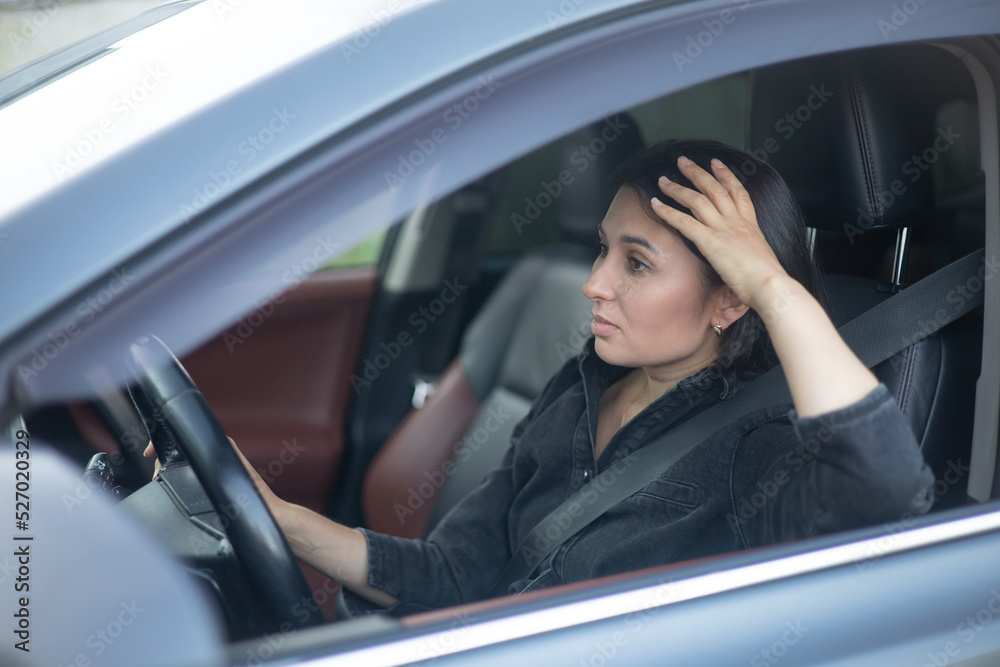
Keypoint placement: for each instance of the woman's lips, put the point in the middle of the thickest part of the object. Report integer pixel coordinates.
(601, 327)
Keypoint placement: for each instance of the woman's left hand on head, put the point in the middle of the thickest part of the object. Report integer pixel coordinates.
(723, 227)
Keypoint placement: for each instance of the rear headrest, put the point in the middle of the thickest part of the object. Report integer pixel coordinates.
(854, 134)
(591, 155)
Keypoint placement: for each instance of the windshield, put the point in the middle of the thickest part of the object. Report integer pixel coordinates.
(32, 76)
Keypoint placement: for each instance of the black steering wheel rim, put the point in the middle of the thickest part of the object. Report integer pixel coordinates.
(176, 403)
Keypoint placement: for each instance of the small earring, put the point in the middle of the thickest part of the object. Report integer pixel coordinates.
(717, 329)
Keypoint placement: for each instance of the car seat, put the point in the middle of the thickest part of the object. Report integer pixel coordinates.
(852, 134)
(535, 320)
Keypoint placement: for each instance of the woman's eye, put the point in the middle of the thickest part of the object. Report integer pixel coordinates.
(636, 264)
(602, 249)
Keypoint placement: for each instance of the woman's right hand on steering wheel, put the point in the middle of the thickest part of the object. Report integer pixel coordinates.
(273, 502)
(150, 453)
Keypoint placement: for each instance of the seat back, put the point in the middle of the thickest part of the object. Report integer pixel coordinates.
(535, 320)
(856, 136)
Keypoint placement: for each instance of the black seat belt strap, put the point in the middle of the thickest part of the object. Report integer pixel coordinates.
(876, 335)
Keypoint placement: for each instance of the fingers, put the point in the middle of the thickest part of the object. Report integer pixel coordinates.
(682, 222)
(258, 481)
(720, 194)
(233, 443)
(243, 459)
(710, 203)
(738, 193)
(150, 453)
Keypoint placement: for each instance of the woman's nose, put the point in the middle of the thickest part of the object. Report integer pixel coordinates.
(598, 285)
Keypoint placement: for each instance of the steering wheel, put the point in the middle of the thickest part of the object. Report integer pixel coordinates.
(184, 427)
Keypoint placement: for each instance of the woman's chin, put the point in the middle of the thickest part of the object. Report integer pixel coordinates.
(611, 353)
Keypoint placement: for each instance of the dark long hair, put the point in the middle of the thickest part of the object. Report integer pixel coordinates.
(745, 344)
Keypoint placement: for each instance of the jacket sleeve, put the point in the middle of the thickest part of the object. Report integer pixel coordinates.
(451, 565)
(469, 547)
(856, 466)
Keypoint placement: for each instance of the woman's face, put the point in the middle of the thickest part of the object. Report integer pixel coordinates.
(648, 285)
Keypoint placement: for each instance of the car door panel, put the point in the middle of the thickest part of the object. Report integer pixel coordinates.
(279, 380)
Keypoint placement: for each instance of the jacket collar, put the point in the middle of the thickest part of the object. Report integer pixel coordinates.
(689, 396)
(710, 383)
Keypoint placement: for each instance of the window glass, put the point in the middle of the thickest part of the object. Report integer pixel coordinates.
(713, 110)
(363, 255)
(716, 110)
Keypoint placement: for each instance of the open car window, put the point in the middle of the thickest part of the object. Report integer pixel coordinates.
(323, 304)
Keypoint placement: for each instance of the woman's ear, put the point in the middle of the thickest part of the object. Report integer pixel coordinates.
(728, 307)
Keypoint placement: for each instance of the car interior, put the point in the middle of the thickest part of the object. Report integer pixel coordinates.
(380, 390)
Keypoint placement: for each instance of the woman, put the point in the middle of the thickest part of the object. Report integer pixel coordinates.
(703, 275)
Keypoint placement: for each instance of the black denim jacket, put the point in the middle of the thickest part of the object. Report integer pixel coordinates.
(768, 477)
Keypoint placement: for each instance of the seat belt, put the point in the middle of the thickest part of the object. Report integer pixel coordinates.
(876, 335)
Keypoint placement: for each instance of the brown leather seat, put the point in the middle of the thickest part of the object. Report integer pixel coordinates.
(535, 320)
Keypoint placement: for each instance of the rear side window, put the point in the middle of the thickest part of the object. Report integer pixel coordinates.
(524, 216)
(363, 255)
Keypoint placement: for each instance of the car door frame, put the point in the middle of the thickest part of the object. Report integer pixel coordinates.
(284, 211)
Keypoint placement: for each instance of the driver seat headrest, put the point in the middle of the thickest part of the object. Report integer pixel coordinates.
(850, 133)
(589, 157)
